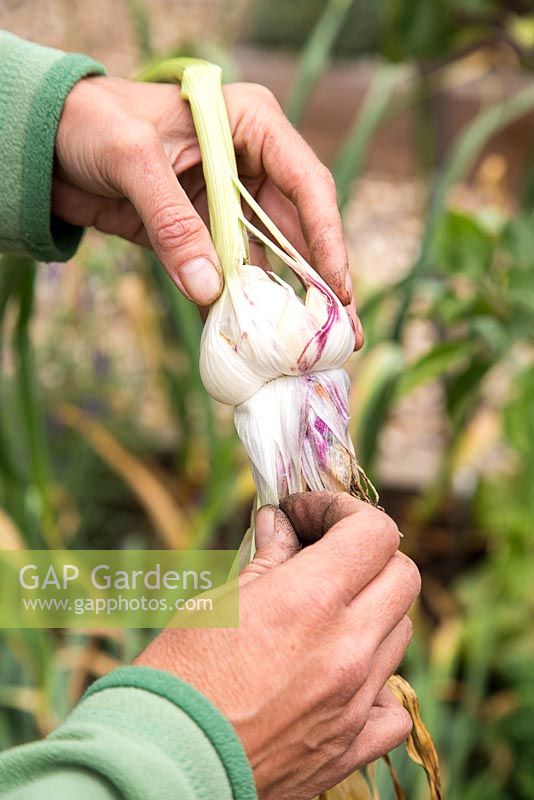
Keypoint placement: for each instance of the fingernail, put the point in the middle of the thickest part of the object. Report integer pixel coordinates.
(201, 279)
(265, 525)
(348, 284)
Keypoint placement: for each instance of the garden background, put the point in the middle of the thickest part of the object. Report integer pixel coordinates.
(425, 113)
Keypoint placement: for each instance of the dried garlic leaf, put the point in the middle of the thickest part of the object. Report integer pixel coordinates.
(420, 746)
(353, 788)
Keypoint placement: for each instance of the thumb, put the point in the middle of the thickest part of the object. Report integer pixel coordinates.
(276, 542)
(177, 234)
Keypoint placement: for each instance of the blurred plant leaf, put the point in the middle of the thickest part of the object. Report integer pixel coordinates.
(464, 151)
(489, 330)
(11, 537)
(521, 291)
(348, 164)
(462, 246)
(463, 388)
(34, 490)
(138, 11)
(522, 29)
(23, 698)
(170, 522)
(31, 406)
(376, 386)
(517, 240)
(476, 440)
(315, 56)
(418, 29)
(434, 364)
(519, 415)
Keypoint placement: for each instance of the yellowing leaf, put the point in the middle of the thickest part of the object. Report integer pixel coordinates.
(353, 788)
(170, 522)
(10, 536)
(420, 746)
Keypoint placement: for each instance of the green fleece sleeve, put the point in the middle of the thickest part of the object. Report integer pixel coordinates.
(34, 82)
(137, 734)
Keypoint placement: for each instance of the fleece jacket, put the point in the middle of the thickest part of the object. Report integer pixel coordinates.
(34, 82)
(138, 733)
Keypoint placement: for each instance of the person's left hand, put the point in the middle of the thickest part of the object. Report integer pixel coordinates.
(122, 145)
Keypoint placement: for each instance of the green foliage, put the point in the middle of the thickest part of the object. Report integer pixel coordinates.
(278, 24)
(376, 105)
(418, 29)
(140, 21)
(315, 56)
(27, 491)
(476, 292)
(400, 29)
(462, 247)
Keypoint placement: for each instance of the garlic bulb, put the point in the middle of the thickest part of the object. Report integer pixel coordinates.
(259, 329)
(273, 356)
(295, 431)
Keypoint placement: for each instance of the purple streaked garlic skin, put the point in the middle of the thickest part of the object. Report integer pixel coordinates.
(295, 430)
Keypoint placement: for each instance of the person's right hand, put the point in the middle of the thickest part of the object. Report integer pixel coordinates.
(302, 679)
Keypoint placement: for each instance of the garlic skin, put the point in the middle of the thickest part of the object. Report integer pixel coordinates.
(295, 431)
(259, 330)
(274, 357)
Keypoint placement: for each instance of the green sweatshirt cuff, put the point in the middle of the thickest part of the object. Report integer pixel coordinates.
(215, 726)
(34, 82)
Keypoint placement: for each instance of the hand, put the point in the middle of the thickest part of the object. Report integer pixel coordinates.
(121, 145)
(302, 679)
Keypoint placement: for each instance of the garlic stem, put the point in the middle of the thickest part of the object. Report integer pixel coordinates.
(282, 255)
(267, 221)
(202, 88)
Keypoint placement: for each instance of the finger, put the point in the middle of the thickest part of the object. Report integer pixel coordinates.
(357, 325)
(178, 236)
(114, 215)
(276, 542)
(258, 256)
(284, 214)
(388, 725)
(199, 199)
(359, 541)
(312, 514)
(385, 661)
(385, 600)
(297, 172)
